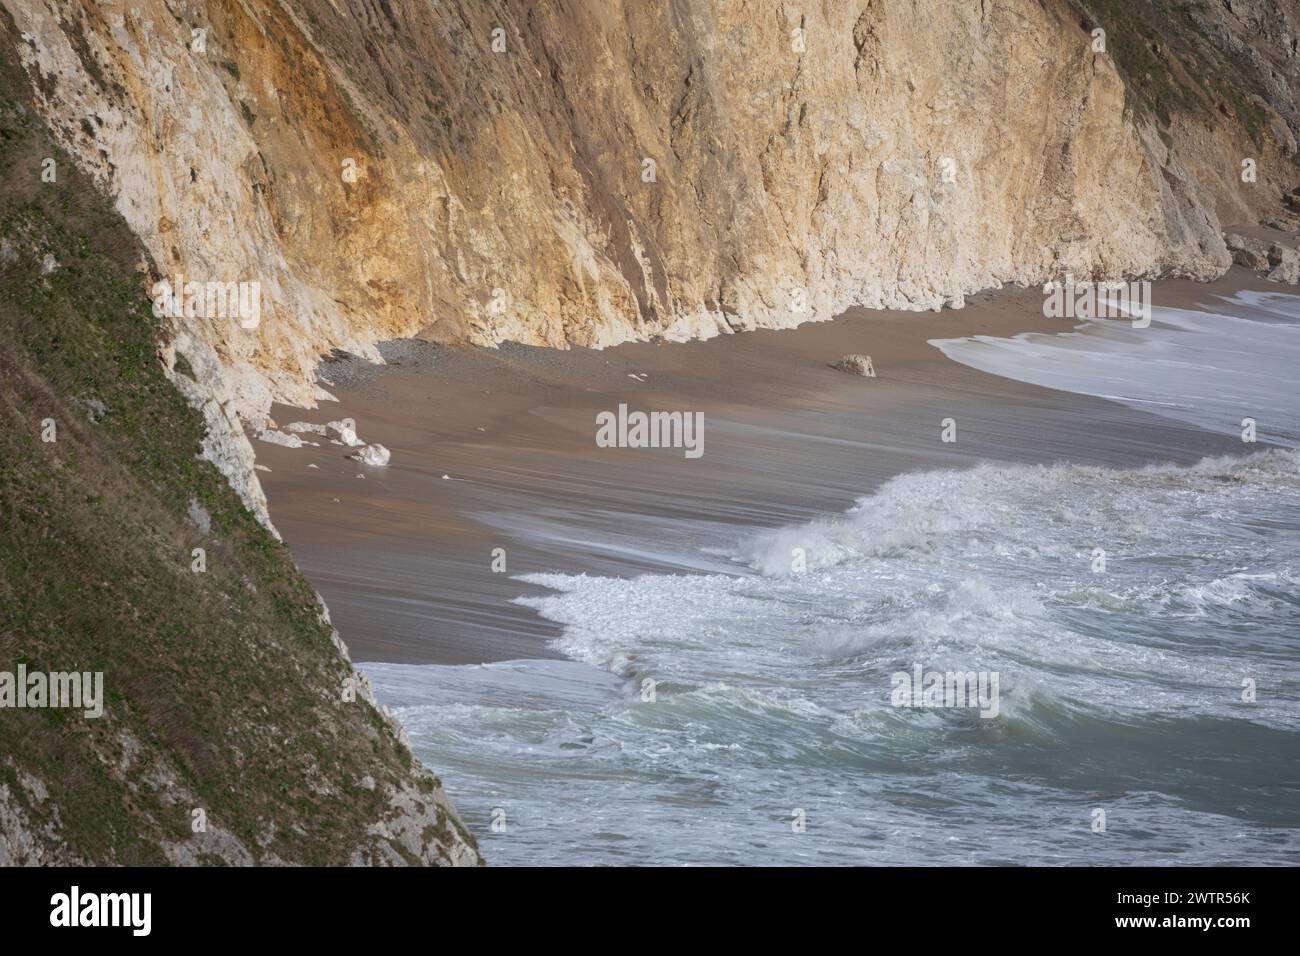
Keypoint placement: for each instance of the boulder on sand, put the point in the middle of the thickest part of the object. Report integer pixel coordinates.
(1276, 260)
(345, 432)
(1284, 262)
(280, 438)
(301, 427)
(372, 455)
(1246, 251)
(856, 365)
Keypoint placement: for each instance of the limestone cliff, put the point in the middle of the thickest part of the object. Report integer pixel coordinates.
(589, 172)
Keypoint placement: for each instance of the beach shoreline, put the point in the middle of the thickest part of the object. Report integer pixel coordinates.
(408, 559)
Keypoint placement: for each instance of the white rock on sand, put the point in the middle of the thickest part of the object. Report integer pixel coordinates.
(300, 427)
(280, 438)
(342, 432)
(372, 455)
(345, 431)
(1247, 251)
(857, 365)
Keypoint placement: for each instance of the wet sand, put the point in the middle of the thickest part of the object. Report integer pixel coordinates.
(404, 557)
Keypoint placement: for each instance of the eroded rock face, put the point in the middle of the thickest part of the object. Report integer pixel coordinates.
(1275, 260)
(588, 173)
(1284, 263)
(234, 730)
(1247, 251)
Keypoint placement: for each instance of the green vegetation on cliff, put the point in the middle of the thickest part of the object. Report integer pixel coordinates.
(223, 688)
(1172, 64)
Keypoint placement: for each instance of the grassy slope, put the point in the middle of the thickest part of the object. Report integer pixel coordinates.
(1169, 64)
(226, 683)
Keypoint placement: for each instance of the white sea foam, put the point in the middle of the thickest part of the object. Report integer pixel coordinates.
(1199, 367)
(967, 567)
(770, 691)
(1143, 624)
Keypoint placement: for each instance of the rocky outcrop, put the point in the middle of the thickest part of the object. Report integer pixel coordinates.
(1284, 263)
(274, 437)
(1247, 251)
(1273, 258)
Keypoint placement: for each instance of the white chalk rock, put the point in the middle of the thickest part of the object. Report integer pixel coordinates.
(199, 516)
(372, 455)
(280, 438)
(346, 432)
(301, 427)
(857, 365)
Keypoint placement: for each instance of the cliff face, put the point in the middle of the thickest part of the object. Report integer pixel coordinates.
(231, 727)
(482, 171)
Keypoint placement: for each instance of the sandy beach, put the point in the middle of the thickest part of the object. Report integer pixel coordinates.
(404, 556)
(649, 678)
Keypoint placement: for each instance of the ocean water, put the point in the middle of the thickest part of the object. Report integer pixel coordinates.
(1205, 368)
(1141, 624)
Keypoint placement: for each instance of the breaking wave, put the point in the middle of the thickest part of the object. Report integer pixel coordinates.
(1142, 623)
